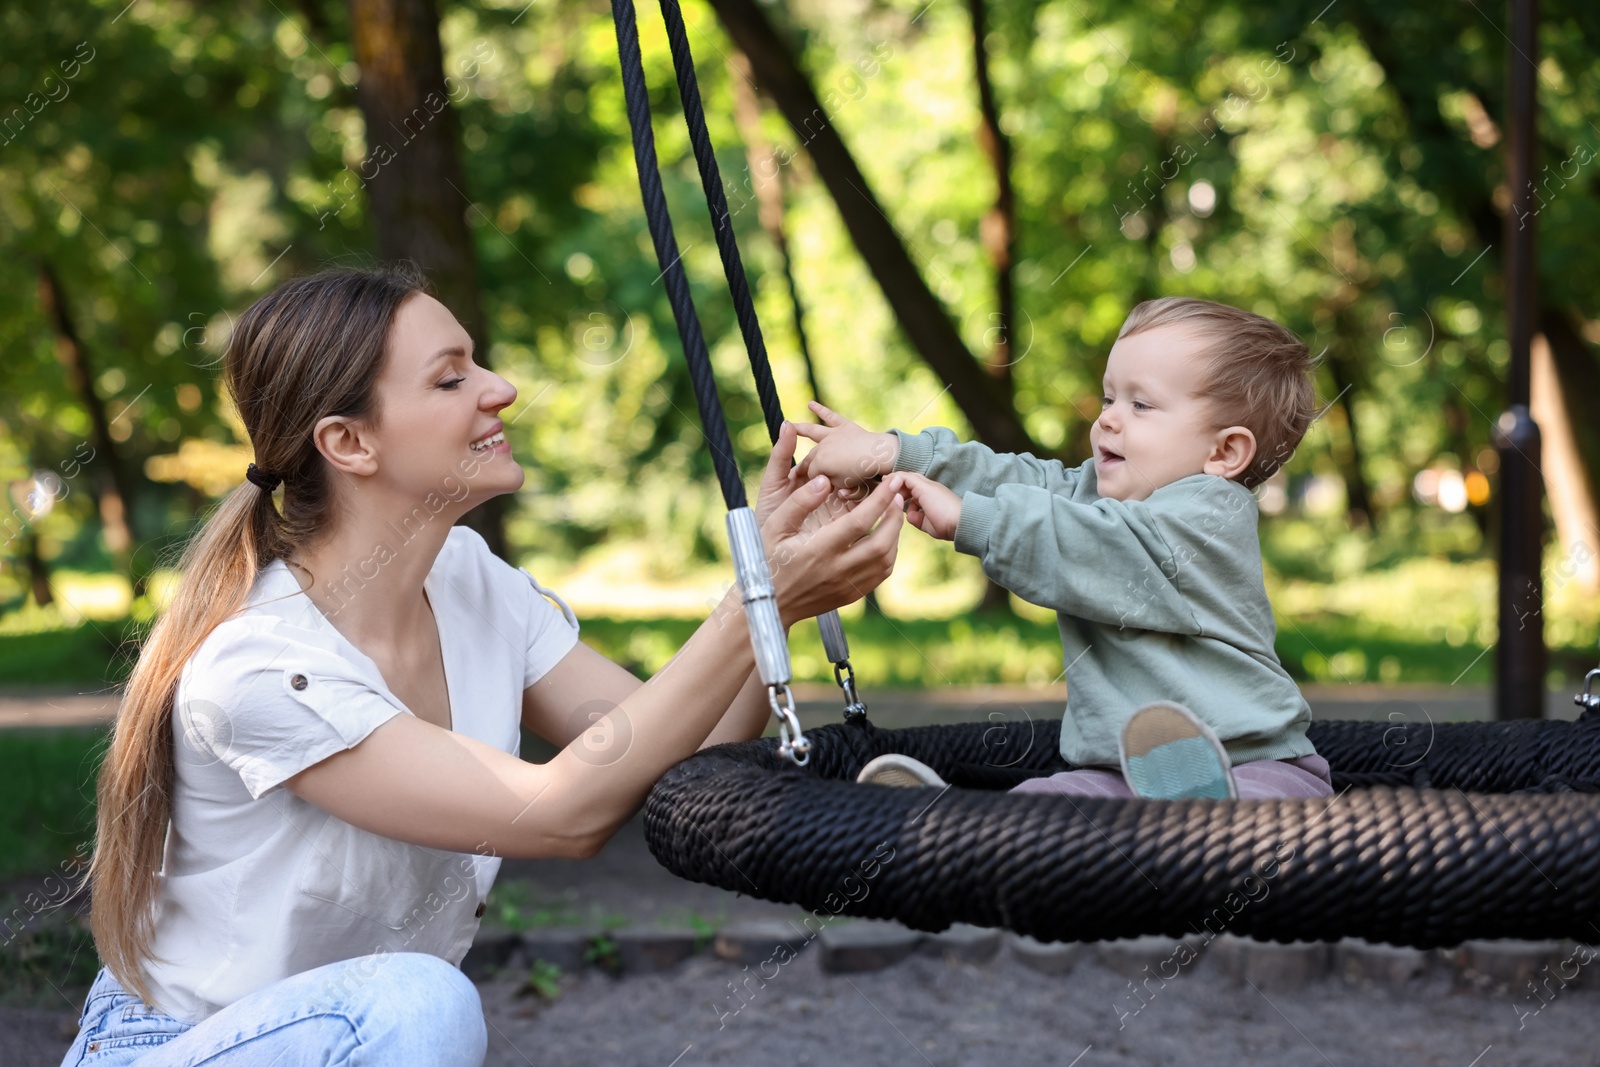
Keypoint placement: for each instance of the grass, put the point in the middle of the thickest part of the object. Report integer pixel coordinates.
(46, 797)
(90, 655)
(1329, 639)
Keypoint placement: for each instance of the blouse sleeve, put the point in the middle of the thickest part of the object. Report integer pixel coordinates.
(263, 698)
(552, 633)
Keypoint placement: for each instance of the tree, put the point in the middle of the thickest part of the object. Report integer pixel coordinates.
(419, 204)
(923, 318)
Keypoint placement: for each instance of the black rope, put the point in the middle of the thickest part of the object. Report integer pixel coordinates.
(637, 95)
(1501, 844)
(705, 157)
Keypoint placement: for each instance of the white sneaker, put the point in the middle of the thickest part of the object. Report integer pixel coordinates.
(895, 769)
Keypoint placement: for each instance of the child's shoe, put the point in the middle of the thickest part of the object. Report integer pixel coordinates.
(895, 769)
(1168, 754)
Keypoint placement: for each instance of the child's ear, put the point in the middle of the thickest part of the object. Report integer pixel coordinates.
(1232, 450)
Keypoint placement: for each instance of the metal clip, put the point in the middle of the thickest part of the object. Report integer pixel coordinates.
(855, 709)
(1586, 700)
(793, 745)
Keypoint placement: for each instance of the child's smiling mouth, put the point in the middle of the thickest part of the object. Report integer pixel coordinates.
(1107, 457)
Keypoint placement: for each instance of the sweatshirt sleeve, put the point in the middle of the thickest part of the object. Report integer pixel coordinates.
(1105, 560)
(967, 466)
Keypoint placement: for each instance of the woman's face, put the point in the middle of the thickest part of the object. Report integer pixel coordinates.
(438, 436)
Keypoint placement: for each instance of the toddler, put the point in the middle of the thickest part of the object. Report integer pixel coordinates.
(1148, 551)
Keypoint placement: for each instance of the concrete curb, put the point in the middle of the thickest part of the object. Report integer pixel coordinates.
(851, 946)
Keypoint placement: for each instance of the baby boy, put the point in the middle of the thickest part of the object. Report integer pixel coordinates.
(1148, 551)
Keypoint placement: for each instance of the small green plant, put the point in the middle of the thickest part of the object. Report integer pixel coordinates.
(705, 930)
(516, 906)
(543, 980)
(601, 951)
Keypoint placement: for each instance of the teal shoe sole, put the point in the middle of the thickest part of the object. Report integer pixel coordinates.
(1185, 769)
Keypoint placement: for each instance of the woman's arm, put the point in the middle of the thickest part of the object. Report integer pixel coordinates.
(564, 705)
(417, 782)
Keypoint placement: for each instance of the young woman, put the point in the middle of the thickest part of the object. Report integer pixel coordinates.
(314, 773)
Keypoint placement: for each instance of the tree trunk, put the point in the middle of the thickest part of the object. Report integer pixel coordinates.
(38, 571)
(918, 311)
(114, 487)
(765, 173)
(1571, 496)
(999, 226)
(766, 179)
(1358, 496)
(418, 195)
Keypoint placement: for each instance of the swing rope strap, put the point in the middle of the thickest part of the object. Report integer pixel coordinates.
(834, 642)
(767, 637)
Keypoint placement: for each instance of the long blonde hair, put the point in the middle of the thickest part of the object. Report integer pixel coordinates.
(311, 348)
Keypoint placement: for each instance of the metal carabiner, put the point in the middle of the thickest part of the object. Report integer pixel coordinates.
(855, 709)
(1586, 700)
(793, 745)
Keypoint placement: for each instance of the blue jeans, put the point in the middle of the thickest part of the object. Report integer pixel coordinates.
(401, 1008)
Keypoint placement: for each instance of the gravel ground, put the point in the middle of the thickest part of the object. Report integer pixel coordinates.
(927, 1010)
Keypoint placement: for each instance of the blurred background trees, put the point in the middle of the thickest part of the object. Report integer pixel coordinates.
(963, 237)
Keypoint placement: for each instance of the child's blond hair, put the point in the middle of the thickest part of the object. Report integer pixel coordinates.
(1258, 374)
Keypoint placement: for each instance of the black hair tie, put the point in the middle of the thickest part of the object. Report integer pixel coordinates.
(265, 479)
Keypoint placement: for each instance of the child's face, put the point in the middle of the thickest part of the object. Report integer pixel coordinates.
(1153, 429)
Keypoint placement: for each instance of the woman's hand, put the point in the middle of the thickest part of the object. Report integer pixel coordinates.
(781, 478)
(822, 564)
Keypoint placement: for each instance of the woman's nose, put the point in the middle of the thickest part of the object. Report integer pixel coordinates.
(499, 395)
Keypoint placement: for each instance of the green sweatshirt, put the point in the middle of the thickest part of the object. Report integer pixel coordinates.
(1157, 599)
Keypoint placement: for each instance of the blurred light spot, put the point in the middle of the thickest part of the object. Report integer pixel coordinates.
(1452, 491)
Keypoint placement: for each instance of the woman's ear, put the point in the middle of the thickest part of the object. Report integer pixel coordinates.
(1232, 450)
(346, 446)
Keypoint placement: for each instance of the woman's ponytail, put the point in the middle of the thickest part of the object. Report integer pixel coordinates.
(134, 794)
(310, 348)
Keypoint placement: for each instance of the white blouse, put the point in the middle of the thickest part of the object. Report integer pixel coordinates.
(257, 884)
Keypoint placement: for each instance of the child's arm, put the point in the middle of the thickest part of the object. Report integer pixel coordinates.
(967, 466)
(851, 456)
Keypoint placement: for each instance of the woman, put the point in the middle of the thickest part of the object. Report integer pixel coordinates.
(328, 713)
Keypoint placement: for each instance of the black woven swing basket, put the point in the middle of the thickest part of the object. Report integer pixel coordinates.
(1438, 833)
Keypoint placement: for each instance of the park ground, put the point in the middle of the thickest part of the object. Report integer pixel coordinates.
(925, 1009)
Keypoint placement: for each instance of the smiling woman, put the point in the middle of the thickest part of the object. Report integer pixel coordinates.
(314, 774)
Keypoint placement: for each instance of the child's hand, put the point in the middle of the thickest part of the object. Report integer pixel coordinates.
(931, 508)
(849, 455)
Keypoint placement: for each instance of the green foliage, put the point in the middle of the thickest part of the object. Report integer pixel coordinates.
(1232, 150)
(543, 980)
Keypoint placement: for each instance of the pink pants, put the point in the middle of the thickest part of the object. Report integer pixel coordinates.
(1264, 779)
